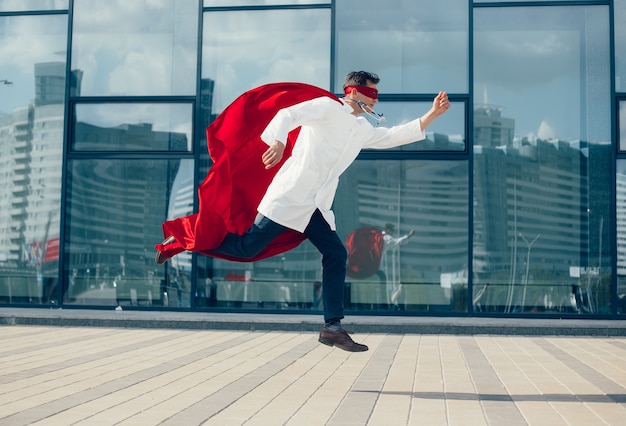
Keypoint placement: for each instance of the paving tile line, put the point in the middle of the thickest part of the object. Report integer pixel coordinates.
(613, 391)
(357, 406)
(293, 396)
(172, 393)
(498, 406)
(209, 406)
(83, 359)
(73, 400)
(557, 387)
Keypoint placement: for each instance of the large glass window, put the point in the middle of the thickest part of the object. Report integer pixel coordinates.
(415, 46)
(32, 96)
(619, 11)
(229, 3)
(241, 50)
(447, 133)
(23, 5)
(132, 127)
(507, 1)
(245, 49)
(621, 129)
(621, 235)
(542, 150)
(143, 47)
(425, 272)
(113, 222)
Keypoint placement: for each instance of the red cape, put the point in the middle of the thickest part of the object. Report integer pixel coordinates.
(237, 181)
(365, 246)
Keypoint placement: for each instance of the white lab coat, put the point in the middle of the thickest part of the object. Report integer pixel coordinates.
(329, 141)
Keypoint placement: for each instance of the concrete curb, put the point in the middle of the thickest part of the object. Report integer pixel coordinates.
(300, 323)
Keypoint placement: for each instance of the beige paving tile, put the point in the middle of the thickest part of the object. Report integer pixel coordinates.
(186, 378)
(70, 380)
(289, 390)
(96, 376)
(190, 384)
(393, 406)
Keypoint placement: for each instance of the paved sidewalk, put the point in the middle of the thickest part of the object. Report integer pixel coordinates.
(52, 375)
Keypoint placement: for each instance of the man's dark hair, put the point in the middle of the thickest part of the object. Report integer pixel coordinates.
(360, 78)
(390, 227)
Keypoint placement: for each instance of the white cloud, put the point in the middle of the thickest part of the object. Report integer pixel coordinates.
(242, 51)
(546, 131)
(143, 47)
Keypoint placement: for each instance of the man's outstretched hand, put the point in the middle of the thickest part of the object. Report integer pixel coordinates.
(440, 105)
(273, 155)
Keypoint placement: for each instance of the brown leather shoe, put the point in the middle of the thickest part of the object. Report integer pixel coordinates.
(341, 339)
(160, 258)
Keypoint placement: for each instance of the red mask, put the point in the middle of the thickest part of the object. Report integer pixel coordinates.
(370, 92)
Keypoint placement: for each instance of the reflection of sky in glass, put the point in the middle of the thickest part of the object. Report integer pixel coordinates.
(209, 3)
(25, 41)
(452, 123)
(20, 5)
(415, 47)
(619, 10)
(242, 50)
(536, 63)
(504, 1)
(139, 47)
(170, 118)
(622, 125)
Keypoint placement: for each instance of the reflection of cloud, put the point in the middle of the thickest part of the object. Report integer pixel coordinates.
(411, 47)
(104, 16)
(545, 131)
(529, 58)
(245, 50)
(143, 47)
(130, 75)
(29, 39)
(25, 41)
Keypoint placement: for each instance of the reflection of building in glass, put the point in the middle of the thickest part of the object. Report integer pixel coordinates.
(126, 137)
(621, 231)
(429, 197)
(526, 192)
(116, 210)
(207, 87)
(440, 142)
(49, 83)
(31, 144)
(599, 199)
(490, 128)
(181, 204)
(15, 149)
(31, 141)
(548, 194)
(547, 188)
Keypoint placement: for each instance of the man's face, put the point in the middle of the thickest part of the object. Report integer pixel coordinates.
(367, 97)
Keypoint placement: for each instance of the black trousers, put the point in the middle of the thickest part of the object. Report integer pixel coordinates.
(334, 254)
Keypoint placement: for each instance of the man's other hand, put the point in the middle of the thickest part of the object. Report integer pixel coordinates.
(273, 155)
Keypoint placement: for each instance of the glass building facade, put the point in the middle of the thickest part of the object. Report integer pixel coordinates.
(516, 200)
